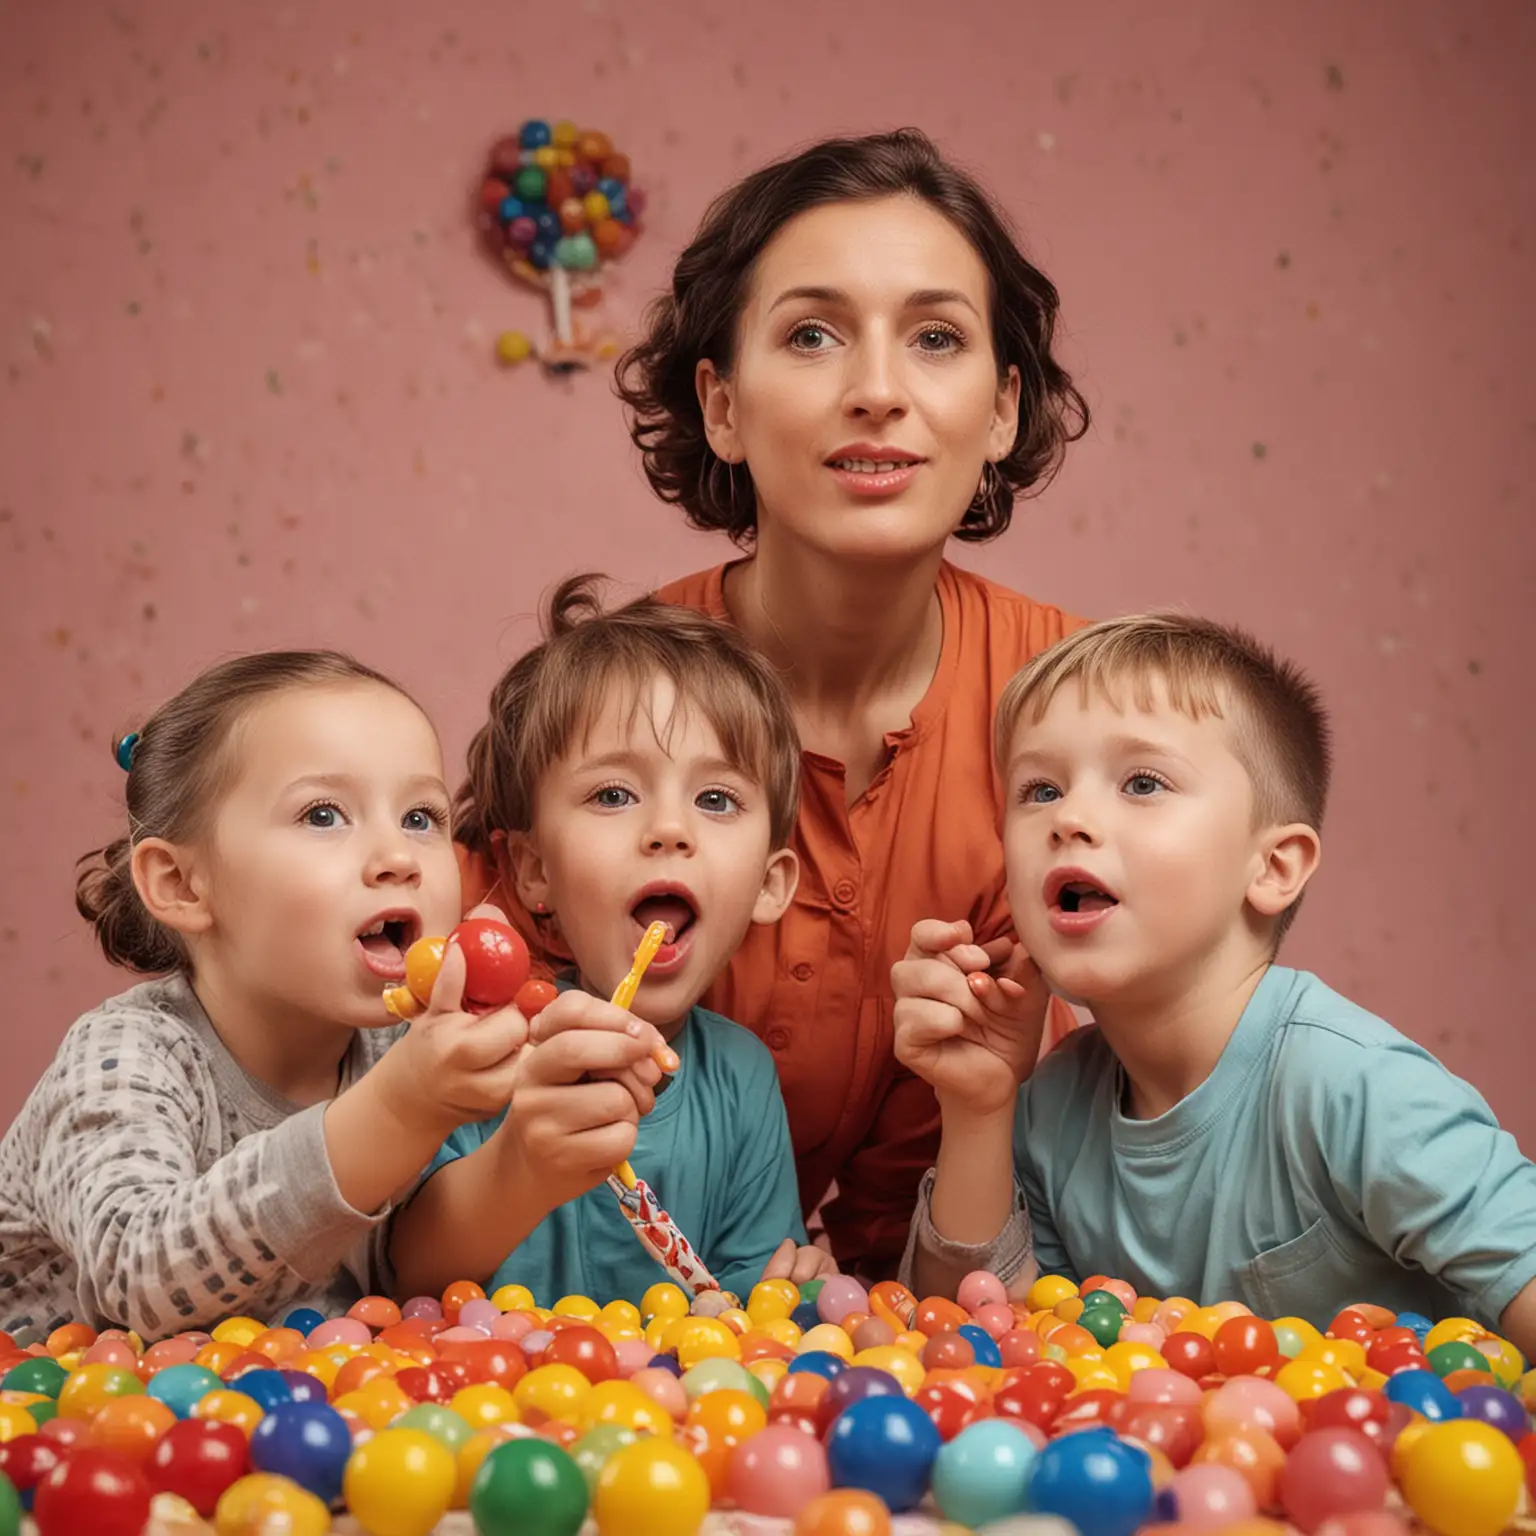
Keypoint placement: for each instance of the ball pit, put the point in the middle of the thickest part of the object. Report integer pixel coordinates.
(832, 1411)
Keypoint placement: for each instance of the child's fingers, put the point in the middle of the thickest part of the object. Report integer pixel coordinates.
(936, 980)
(489, 1039)
(448, 989)
(576, 1010)
(781, 1263)
(922, 1022)
(569, 1057)
(932, 937)
(809, 1262)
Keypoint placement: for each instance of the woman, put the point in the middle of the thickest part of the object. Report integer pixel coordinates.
(853, 366)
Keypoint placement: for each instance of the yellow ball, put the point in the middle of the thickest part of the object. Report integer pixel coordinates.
(1068, 1309)
(471, 1454)
(314, 1363)
(93, 1386)
(14, 1421)
(900, 1363)
(622, 1314)
(556, 1391)
(628, 1406)
(1463, 1478)
(577, 1306)
(512, 347)
(563, 134)
(238, 1330)
(1454, 1330)
(664, 1300)
(769, 1370)
(651, 1488)
(1507, 1361)
(656, 1332)
(1303, 1379)
(266, 1502)
(1347, 1354)
(736, 1320)
(828, 1337)
(223, 1406)
(1048, 1290)
(485, 1403)
(705, 1338)
(787, 1288)
(376, 1402)
(911, 1340)
(400, 1483)
(513, 1298)
(546, 156)
(766, 1302)
(782, 1330)
(1204, 1321)
(1124, 1359)
(1145, 1309)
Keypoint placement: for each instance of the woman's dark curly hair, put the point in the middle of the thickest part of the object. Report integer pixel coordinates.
(698, 319)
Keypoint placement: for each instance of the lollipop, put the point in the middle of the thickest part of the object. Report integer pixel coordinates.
(556, 205)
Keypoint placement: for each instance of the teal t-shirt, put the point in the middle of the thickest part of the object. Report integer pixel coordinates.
(716, 1151)
(1327, 1160)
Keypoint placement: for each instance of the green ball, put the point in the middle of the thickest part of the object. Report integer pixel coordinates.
(1291, 1343)
(39, 1375)
(1456, 1356)
(443, 1424)
(1103, 1299)
(1103, 1323)
(42, 1412)
(10, 1507)
(716, 1375)
(812, 1288)
(592, 1451)
(528, 1488)
(531, 184)
(584, 257)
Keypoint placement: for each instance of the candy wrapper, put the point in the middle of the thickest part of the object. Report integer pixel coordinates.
(660, 1236)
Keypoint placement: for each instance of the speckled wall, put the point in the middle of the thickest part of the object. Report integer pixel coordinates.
(248, 395)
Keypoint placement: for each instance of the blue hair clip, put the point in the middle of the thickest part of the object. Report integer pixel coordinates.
(123, 751)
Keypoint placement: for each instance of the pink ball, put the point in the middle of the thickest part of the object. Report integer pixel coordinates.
(479, 1314)
(428, 1307)
(1020, 1346)
(1143, 1333)
(1378, 1523)
(1329, 1472)
(778, 1471)
(1158, 1384)
(512, 1325)
(633, 1355)
(664, 1388)
(1251, 1402)
(841, 1295)
(340, 1330)
(994, 1319)
(1208, 1497)
(979, 1288)
(535, 1342)
(113, 1352)
(459, 1334)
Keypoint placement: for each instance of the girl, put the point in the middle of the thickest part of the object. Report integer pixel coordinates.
(214, 1141)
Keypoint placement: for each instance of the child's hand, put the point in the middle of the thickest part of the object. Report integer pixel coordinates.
(450, 1066)
(580, 1091)
(969, 1017)
(797, 1265)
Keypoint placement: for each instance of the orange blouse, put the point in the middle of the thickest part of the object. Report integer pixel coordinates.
(921, 841)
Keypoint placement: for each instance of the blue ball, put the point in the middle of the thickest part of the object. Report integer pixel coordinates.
(1416, 1321)
(982, 1342)
(307, 1442)
(1425, 1393)
(264, 1387)
(179, 1387)
(666, 1363)
(304, 1320)
(983, 1473)
(1094, 1479)
(302, 1387)
(540, 254)
(819, 1362)
(534, 134)
(611, 187)
(511, 208)
(548, 224)
(618, 203)
(885, 1445)
(805, 1316)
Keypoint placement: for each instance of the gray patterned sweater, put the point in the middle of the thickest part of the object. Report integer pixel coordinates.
(150, 1183)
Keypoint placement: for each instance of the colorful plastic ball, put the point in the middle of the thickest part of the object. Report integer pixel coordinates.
(818, 1363)
(1493, 1405)
(35, 1375)
(983, 1473)
(263, 1503)
(443, 1424)
(530, 184)
(131, 1426)
(852, 1386)
(10, 1508)
(528, 1487)
(837, 1297)
(265, 1388)
(26, 1461)
(304, 1320)
(805, 1316)
(92, 1490)
(306, 1442)
(534, 134)
(982, 1343)
(522, 231)
(302, 1387)
(197, 1460)
(1332, 1472)
(181, 1387)
(1425, 1393)
(844, 1512)
(1463, 1478)
(1094, 1479)
(886, 1446)
(651, 1488)
(1454, 1355)
(584, 180)
(400, 1482)
(93, 1386)
(778, 1471)
(591, 1452)
(541, 254)
(1207, 1497)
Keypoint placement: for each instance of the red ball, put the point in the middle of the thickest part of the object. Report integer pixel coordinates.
(950, 1407)
(1332, 1472)
(1243, 1345)
(534, 996)
(1190, 1354)
(198, 1459)
(27, 1460)
(586, 1349)
(494, 1360)
(1527, 1448)
(495, 962)
(93, 1490)
(1033, 1392)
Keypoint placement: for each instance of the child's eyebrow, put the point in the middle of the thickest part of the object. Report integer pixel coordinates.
(418, 783)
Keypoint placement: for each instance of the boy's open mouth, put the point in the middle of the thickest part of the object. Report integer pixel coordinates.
(670, 904)
(1080, 896)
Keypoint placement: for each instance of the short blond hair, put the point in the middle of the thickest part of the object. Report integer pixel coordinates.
(551, 696)
(1280, 734)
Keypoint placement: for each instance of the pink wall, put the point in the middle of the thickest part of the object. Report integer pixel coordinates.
(248, 397)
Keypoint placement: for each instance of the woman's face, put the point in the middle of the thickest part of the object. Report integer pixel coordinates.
(865, 397)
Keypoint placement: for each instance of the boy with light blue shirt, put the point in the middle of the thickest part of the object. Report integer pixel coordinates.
(640, 766)
(1230, 1129)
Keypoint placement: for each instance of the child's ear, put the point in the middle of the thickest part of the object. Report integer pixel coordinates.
(171, 886)
(779, 882)
(1290, 856)
(521, 867)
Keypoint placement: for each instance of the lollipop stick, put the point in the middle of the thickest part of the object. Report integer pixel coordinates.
(560, 295)
(624, 997)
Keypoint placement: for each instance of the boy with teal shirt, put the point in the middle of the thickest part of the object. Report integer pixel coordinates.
(1231, 1129)
(639, 766)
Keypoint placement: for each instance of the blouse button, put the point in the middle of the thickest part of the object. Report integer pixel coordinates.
(802, 972)
(777, 1039)
(843, 893)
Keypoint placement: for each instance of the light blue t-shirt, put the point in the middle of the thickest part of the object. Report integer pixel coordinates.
(1327, 1160)
(716, 1151)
